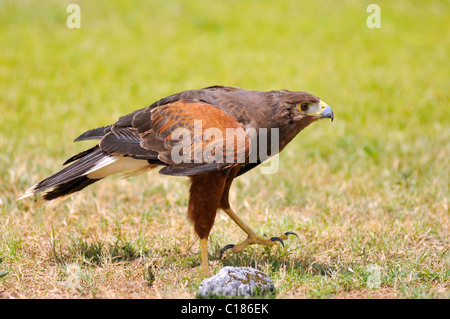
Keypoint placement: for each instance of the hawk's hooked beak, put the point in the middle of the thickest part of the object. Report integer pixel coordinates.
(327, 112)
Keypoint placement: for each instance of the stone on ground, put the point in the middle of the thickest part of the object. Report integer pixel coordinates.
(241, 282)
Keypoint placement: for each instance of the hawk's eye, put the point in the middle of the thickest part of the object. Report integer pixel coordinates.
(304, 107)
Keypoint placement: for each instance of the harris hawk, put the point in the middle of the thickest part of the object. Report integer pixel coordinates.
(151, 137)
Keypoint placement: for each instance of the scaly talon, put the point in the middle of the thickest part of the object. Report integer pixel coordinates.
(225, 248)
(277, 239)
(252, 239)
(291, 233)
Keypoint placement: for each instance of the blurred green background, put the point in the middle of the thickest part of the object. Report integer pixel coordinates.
(388, 86)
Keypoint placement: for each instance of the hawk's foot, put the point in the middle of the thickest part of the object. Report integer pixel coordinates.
(252, 239)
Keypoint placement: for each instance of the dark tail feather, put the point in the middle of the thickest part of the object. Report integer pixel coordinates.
(71, 178)
(70, 187)
(72, 171)
(80, 155)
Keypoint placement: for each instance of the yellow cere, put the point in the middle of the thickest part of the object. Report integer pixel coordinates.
(316, 109)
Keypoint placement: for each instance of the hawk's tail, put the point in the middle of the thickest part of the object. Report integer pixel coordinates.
(87, 168)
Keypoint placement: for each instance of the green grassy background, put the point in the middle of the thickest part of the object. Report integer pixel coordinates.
(370, 188)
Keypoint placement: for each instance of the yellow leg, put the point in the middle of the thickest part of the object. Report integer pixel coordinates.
(252, 237)
(204, 254)
(239, 222)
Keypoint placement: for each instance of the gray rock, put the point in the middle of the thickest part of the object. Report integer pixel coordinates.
(243, 282)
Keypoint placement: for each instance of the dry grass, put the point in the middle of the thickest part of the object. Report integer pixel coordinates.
(125, 241)
(368, 194)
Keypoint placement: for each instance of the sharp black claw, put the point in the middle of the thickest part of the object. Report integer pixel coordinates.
(277, 239)
(225, 248)
(265, 235)
(291, 233)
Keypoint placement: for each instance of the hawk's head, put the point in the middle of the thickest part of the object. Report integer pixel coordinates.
(304, 107)
(297, 110)
(318, 109)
